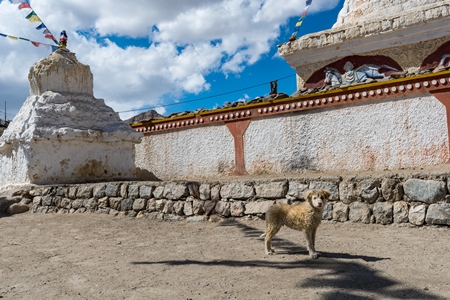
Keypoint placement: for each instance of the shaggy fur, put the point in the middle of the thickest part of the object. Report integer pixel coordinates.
(305, 217)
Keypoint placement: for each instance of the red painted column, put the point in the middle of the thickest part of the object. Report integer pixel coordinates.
(444, 97)
(237, 129)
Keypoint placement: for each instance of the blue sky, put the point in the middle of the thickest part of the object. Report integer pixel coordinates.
(163, 55)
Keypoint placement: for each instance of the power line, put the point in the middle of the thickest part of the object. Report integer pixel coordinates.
(207, 97)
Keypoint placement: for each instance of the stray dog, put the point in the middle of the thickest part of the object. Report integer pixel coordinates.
(305, 217)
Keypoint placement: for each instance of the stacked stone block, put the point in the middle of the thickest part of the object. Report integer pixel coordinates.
(388, 200)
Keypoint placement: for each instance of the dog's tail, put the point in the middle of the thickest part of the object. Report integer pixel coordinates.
(262, 235)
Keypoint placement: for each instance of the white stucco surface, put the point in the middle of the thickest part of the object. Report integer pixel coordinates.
(403, 133)
(194, 153)
(370, 136)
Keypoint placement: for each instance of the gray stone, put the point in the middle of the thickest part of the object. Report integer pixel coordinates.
(56, 201)
(133, 191)
(126, 204)
(237, 191)
(170, 217)
(42, 209)
(215, 193)
(151, 205)
(175, 191)
(103, 203)
(76, 204)
(6, 202)
(359, 212)
(78, 211)
(193, 189)
(145, 191)
(401, 212)
(124, 190)
(115, 203)
(331, 187)
(198, 207)
(168, 207)
(84, 191)
(131, 213)
(99, 191)
(90, 203)
(272, 190)
(104, 211)
(61, 191)
(327, 213)
(383, 212)
(112, 190)
(139, 204)
(370, 190)
(178, 207)
(438, 214)
(187, 210)
(348, 191)
(237, 208)
(160, 204)
(37, 200)
(296, 190)
(427, 191)
(340, 212)
(258, 207)
(47, 201)
(223, 208)
(158, 192)
(17, 208)
(389, 189)
(66, 203)
(209, 206)
(73, 192)
(26, 201)
(158, 216)
(205, 191)
(197, 219)
(416, 214)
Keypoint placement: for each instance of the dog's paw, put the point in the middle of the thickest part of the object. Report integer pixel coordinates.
(314, 255)
(270, 252)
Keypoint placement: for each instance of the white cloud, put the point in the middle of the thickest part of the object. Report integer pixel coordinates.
(193, 39)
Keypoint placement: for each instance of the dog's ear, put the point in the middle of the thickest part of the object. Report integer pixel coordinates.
(326, 194)
(308, 194)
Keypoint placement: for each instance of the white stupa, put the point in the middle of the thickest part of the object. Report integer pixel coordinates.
(62, 133)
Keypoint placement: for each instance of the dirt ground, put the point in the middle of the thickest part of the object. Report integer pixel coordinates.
(91, 256)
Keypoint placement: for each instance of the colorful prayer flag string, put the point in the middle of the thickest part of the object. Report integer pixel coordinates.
(36, 44)
(300, 21)
(33, 17)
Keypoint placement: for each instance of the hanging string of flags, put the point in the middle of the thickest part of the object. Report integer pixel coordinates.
(300, 21)
(33, 18)
(36, 44)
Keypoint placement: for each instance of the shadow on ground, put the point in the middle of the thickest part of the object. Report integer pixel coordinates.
(347, 278)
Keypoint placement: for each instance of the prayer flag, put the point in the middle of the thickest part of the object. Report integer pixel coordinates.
(37, 44)
(24, 5)
(18, 1)
(42, 26)
(300, 21)
(13, 37)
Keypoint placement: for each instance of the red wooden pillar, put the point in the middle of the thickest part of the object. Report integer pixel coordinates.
(237, 129)
(444, 97)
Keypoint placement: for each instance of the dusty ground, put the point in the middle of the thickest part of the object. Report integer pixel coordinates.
(90, 256)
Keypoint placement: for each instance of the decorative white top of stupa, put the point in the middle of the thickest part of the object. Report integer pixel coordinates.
(358, 11)
(62, 104)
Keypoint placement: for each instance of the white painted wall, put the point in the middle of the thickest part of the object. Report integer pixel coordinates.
(404, 133)
(199, 152)
(389, 135)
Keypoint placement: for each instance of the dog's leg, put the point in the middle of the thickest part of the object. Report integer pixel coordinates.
(310, 243)
(314, 240)
(270, 233)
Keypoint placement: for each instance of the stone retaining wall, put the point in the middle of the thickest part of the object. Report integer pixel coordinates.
(417, 200)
